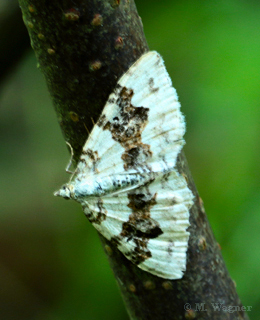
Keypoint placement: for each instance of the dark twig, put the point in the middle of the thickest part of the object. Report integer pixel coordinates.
(83, 47)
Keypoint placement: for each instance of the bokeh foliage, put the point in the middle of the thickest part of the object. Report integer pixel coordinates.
(52, 265)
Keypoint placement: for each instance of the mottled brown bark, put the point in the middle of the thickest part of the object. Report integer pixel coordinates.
(83, 47)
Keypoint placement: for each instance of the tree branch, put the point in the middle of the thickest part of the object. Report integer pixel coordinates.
(83, 48)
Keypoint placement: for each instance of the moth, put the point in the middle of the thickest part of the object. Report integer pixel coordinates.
(126, 179)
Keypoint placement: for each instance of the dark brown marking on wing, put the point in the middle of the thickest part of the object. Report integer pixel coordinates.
(165, 177)
(93, 155)
(102, 120)
(140, 253)
(140, 227)
(170, 247)
(151, 85)
(140, 223)
(96, 217)
(127, 128)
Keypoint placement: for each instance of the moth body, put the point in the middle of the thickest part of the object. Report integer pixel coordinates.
(97, 187)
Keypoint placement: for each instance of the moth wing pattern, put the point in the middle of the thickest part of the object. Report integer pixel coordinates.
(153, 90)
(140, 131)
(143, 118)
(148, 225)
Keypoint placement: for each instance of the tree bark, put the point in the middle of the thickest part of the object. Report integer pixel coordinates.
(83, 47)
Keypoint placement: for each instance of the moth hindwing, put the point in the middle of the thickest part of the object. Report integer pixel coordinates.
(126, 180)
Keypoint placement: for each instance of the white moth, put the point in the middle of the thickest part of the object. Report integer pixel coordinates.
(126, 180)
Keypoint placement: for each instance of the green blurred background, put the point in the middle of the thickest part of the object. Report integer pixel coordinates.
(52, 265)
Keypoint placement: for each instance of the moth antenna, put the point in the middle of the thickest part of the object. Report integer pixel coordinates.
(86, 128)
(71, 158)
(89, 136)
(92, 121)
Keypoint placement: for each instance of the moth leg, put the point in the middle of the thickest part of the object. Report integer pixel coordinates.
(86, 128)
(71, 158)
(92, 121)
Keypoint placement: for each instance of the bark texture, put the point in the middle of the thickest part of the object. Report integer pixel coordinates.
(83, 47)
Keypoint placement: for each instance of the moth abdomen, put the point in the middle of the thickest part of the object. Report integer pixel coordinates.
(123, 181)
(108, 185)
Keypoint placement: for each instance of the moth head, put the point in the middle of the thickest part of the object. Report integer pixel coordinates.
(65, 192)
